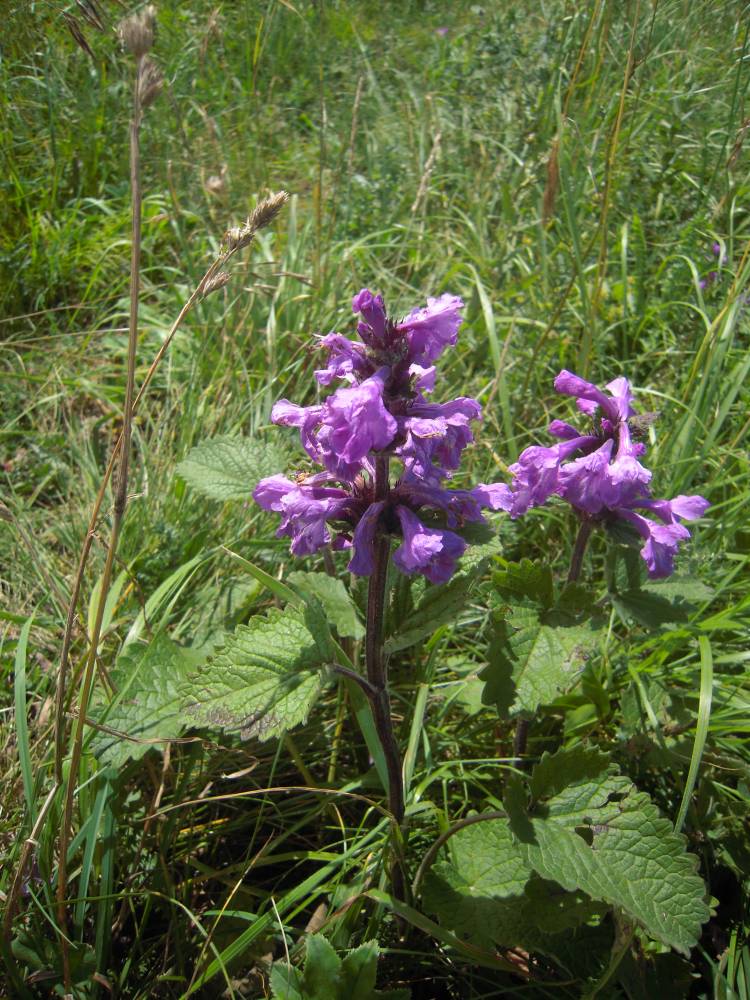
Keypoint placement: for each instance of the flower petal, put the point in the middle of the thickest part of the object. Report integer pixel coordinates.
(362, 562)
(433, 552)
(433, 328)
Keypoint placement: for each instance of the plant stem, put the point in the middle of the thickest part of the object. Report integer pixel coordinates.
(579, 549)
(377, 671)
(377, 676)
(120, 501)
(521, 738)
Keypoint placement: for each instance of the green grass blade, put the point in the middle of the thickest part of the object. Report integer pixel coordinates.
(701, 728)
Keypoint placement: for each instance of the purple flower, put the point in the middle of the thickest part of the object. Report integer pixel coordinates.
(382, 410)
(305, 509)
(346, 360)
(600, 474)
(432, 328)
(346, 428)
(431, 551)
(354, 422)
(435, 435)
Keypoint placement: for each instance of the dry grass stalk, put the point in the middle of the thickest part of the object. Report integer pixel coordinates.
(137, 34)
(150, 81)
(263, 215)
(78, 36)
(553, 182)
(90, 13)
(355, 114)
(426, 173)
(738, 143)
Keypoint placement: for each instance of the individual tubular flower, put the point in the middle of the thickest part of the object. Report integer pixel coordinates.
(383, 410)
(600, 474)
(305, 508)
(432, 551)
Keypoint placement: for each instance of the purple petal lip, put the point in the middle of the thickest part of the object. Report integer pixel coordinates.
(433, 552)
(616, 407)
(432, 328)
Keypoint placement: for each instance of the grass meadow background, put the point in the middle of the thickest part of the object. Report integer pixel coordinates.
(565, 167)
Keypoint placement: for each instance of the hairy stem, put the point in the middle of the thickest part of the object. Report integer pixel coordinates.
(377, 676)
(377, 671)
(579, 549)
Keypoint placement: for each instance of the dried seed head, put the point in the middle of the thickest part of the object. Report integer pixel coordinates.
(218, 281)
(91, 14)
(216, 183)
(238, 237)
(262, 215)
(150, 81)
(137, 32)
(266, 211)
(75, 29)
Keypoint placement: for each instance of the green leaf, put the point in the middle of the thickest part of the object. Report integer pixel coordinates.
(648, 608)
(542, 643)
(339, 607)
(147, 706)
(321, 978)
(662, 602)
(587, 827)
(488, 893)
(439, 604)
(525, 580)
(531, 663)
(286, 982)
(266, 677)
(229, 468)
(443, 603)
(327, 977)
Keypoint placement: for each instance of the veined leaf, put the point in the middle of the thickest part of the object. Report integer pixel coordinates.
(541, 644)
(147, 708)
(525, 579)
(334, 598)
(229, 468)
(266, 677)
(443, 603)
(488, 893)
(587, 827)
(532, 663)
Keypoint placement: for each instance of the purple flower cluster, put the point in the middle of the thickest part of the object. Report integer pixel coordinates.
(383, 410)
(600, 475)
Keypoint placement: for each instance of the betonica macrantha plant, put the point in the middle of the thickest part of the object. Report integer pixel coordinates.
(385, 453)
